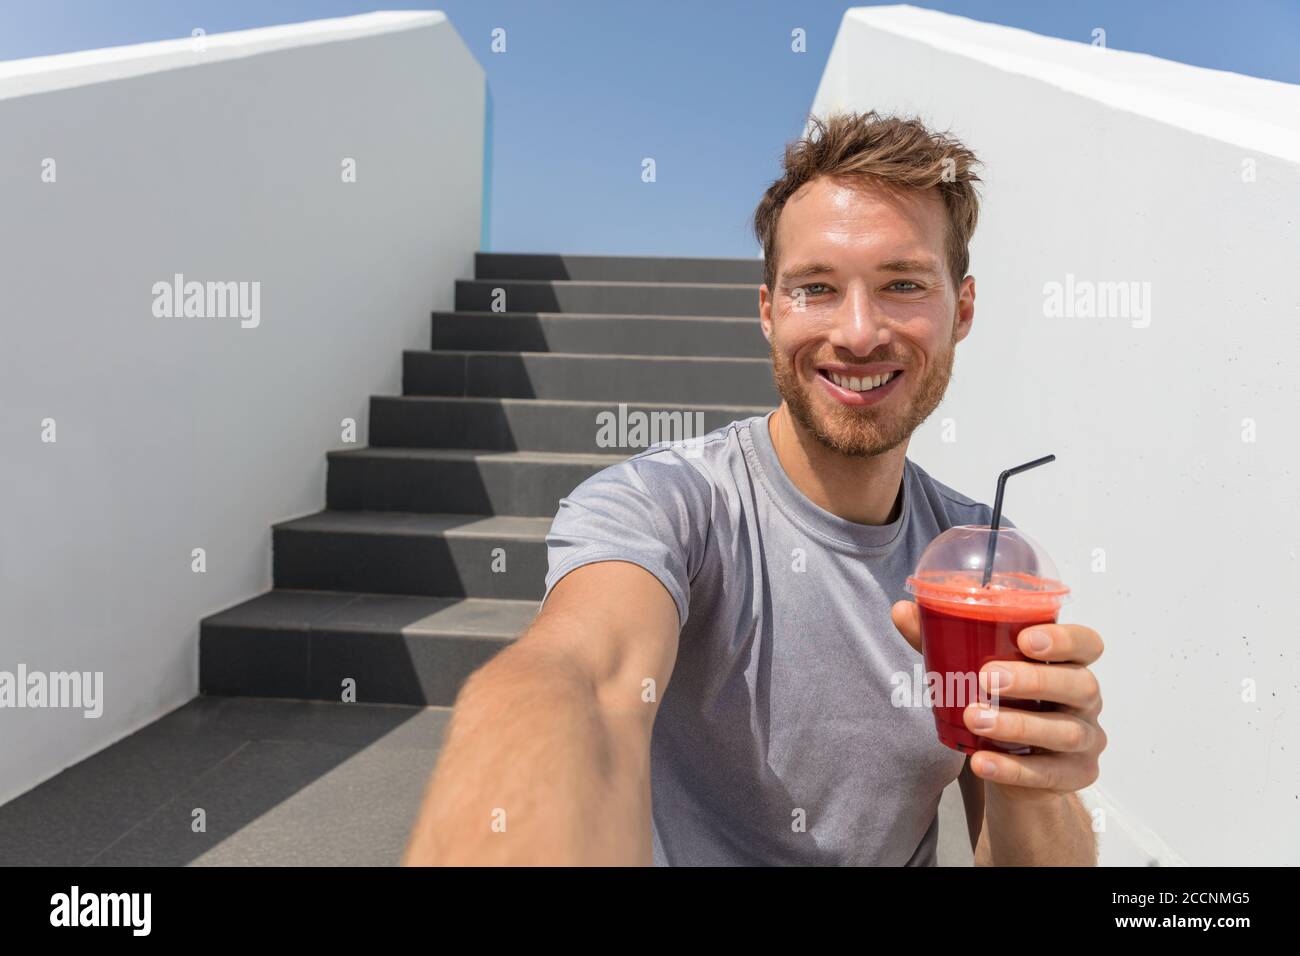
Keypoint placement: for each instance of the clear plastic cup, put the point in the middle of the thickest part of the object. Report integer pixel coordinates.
(965, 624)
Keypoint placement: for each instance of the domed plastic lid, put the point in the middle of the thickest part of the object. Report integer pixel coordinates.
(951, 571)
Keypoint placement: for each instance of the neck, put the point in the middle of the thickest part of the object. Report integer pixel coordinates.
(865, 490)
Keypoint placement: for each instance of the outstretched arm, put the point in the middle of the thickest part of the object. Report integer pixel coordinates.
(547, 756)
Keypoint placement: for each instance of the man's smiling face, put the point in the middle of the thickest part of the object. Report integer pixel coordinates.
(864, 320)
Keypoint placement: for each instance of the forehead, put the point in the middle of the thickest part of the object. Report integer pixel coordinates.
(864, 217)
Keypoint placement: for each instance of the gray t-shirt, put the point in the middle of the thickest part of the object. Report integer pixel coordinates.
(777, 740)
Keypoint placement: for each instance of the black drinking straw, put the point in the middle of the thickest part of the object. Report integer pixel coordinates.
(997, 510)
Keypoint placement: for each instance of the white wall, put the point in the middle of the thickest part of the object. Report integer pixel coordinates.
(1118, 166)
(183, 433)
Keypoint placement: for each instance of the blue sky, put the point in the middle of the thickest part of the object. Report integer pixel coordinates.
(710, 89)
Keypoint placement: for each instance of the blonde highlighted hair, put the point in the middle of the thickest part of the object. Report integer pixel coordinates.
(891, 150)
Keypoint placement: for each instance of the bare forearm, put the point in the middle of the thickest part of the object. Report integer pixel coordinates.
(533, 771)
(1052, 831)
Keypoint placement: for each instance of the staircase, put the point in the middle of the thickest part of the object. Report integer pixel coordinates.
(398, 583)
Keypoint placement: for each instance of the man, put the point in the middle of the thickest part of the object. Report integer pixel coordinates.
(708, 681)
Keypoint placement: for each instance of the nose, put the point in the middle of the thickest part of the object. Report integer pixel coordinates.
(858, 324)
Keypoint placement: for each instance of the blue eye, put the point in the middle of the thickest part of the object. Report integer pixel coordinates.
(812, 284)
(905, 282)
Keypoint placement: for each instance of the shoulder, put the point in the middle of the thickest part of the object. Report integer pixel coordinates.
(678, 471)
(654, 509)
(949, 507)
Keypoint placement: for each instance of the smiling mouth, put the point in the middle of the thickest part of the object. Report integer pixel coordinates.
(860, 384)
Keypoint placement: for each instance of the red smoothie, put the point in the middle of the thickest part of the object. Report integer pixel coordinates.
(963, 627)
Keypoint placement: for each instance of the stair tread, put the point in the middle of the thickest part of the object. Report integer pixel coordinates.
(581, 265)
(463, 454)
(600, 356)
(609, 256)
(470, 314)
(419, 523)
(297, 609)
(617, 282)
(574, 402)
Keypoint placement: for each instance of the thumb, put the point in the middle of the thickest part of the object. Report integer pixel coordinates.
(908, 621)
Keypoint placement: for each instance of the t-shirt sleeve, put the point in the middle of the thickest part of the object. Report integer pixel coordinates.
(651, 510)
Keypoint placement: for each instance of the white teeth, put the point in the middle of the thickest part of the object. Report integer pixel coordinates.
(860, 384)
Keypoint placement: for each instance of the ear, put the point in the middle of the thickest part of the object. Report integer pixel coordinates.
(965, 308)
(765, 311)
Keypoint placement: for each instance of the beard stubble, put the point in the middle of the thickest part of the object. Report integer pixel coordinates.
(862, 431)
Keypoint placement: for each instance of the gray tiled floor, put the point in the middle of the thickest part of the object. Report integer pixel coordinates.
(279, 782)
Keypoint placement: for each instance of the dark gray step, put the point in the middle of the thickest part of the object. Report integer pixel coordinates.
(532, 265)
(453, 481)
(391, 552)
(529, 424)
(638, 298)
(610, 378)
(614, 334)
(398, 649)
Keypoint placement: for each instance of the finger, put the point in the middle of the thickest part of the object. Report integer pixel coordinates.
(908, 621)
(1091, 712)
(1070, 684)
(1063, 773)
(1051, 730)
(1060, 642)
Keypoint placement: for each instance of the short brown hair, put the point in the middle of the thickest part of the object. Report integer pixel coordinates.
(892, 150)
